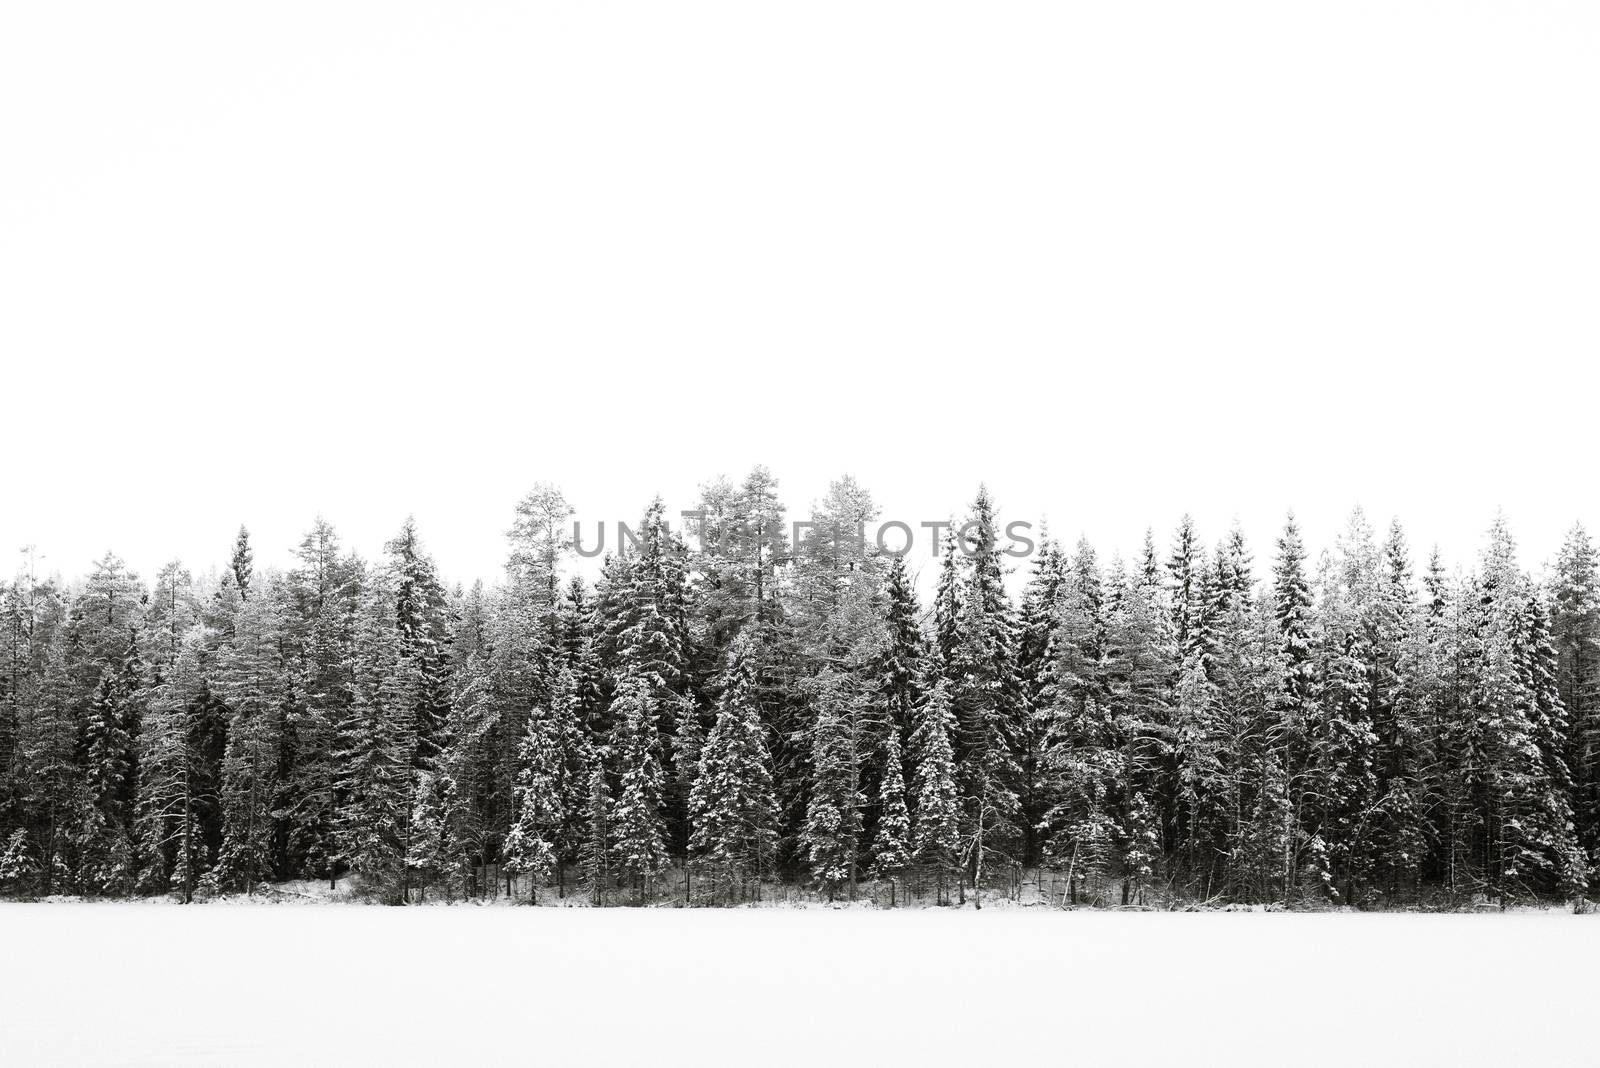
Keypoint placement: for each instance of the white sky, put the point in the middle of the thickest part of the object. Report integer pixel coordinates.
(1120, 260)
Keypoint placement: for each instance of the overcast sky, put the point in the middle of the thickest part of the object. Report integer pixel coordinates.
(1123, 260)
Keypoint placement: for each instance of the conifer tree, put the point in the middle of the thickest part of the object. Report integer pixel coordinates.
(470, 764)
(1575, 632)
(1036, 658)
(986, 695)
(901, 663)
(253, 683)
(732, 807)
(419, 609)
(832, 833)
(638, 822)
(947, 604)
(108, 864)
(322, 594)
(541, 540)
(595, 855)
(936, 837)
(1342, 746)
(581, 656)
(891, 845)
(425, 850)
(241, 565)
(1293, 610)
(172, 781)
(531, 848)
(1140, 667)
(576, 757)
(1186, 565)
(48, 781)
(377, 742)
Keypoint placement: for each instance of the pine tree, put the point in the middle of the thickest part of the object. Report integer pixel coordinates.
(172, 779)
(169, 614)
(740, 544)
(540, 542)
(241, 565)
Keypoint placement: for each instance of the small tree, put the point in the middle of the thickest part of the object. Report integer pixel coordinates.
(16, 863)
(425, 852)
(891, 846)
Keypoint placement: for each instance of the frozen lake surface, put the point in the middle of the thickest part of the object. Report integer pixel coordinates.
(276, 985)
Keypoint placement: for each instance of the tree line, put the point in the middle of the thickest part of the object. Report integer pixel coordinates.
(721, 714)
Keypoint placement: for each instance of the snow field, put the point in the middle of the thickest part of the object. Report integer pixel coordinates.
(131, 985)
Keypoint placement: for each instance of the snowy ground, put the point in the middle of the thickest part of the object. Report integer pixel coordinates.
(129, 984)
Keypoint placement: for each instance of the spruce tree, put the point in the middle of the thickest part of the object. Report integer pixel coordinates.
(576, 756)
(376, 746)
(172, 780)
(420, 621)
(1036, 659)
(111, 767)
(595, 854)
(532, 846)
(891, 844)
(831, 836)
(253, 683)
(638, 821)
(1575, 632)
(732, 808)
(936, 837)
(425, 851)
(987, 697)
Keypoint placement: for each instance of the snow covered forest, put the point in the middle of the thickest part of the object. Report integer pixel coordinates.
(731, 715)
